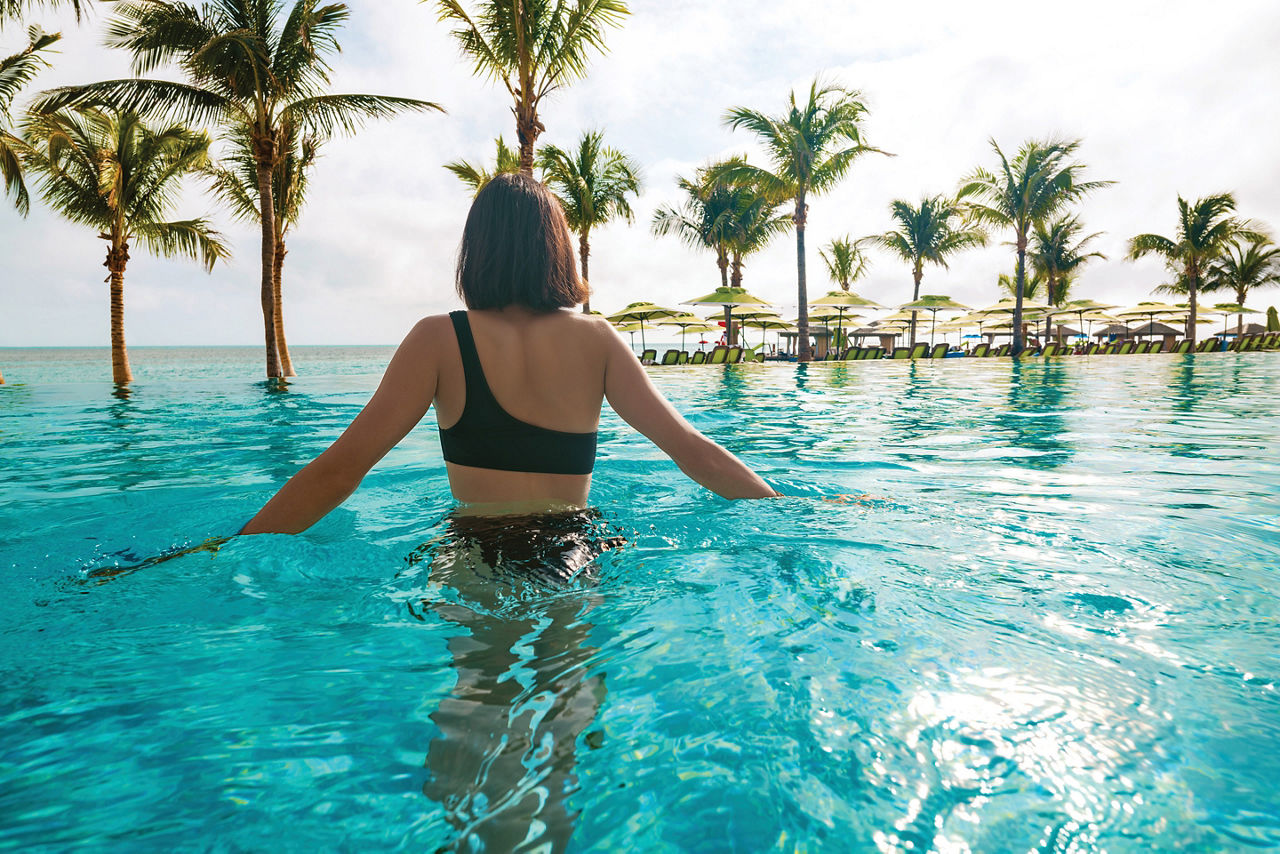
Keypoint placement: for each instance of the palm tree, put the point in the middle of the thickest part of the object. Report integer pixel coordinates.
(810, 149)
(476, 177)
(1245, 265)
(15, 72)
(703, 219)
(592, 183)
(1057, 252)
(533, 47)
(248, 66)
(749, 223)
(845, 261)
(933, 231)
(237, 187)
(1038, 183)
(1205, 230)
(110, 171)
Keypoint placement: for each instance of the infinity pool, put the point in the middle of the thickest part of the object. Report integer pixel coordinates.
(1006, 607)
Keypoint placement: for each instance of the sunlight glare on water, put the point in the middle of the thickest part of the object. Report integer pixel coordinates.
(1006, 606)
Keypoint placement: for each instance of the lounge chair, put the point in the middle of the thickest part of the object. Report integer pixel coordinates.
(919, 351)
(718, 354)
(757, 356)
(1183, 346)
(698, 358)
(853, 354)
(1031, 351)
(684, 358)
(734, 355)
(1004, 350)
(1234, 346)
(901, 353)
(648, 357)
(1208, 345)
(981, 350)
(1273, 341)
(1050, 349)
(1092, 350)
(939, 351)
(1127, 348)
(671, 357)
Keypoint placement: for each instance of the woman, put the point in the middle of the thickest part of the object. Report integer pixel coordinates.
(517, 381)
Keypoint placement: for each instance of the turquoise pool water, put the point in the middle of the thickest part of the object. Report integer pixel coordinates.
(1053, 624)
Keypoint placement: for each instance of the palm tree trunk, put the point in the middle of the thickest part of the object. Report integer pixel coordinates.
(265, 154)
(1241, 294)
(277, 274)
(917, 274)
(1020, 285)
(527, 125)
(729, 336)
(1193, 274)
(584, 251)
(735, 271)
(722, 262)
(1053, 294)
(117, 259)
(804, 352)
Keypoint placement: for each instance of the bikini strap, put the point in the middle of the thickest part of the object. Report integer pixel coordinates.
(472, 371)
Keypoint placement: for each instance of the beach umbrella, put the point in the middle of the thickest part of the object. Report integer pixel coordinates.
(686, 322)
(639, 312)
(843, 301)
(1229, 309)
(727, 297)
(1081, 307)
(1149, 310)
(934, 303)
(766, 323)
(631, 329)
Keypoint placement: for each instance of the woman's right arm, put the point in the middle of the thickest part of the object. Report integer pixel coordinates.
(640, 404)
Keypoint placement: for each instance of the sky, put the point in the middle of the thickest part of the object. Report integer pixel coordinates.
(1170, 97)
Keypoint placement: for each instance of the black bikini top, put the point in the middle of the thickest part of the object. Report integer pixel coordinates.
(487, 437)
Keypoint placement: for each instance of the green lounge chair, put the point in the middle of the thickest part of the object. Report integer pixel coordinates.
(1183, 346)
(718, 355)
(1092, 350)
(734, 355)
(648, 357)
(698, 358)
(684, 358)
(919, 351)
(939, 351)
(981, 350)
(1234, 346)
(671, 357)
(1004, 350)
(1050, 350)
(757, 356)
(853, 354)
(901, 353)
(870, 353)
(1207, 345)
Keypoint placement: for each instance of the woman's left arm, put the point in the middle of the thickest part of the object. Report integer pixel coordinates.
(402, 398)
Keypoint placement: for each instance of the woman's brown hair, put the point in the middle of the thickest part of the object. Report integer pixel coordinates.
(516, 249)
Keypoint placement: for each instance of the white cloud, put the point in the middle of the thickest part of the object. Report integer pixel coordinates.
(1169, 98)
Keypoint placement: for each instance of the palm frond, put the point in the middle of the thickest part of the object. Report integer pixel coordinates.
(153, 98)
(191, 238)
(327, 114)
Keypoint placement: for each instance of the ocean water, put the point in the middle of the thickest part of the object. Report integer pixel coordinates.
(1006, 606)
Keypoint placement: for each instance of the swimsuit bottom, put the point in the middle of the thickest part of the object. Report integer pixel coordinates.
(537, 547)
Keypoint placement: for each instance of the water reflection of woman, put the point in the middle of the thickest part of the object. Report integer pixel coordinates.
(519, 379)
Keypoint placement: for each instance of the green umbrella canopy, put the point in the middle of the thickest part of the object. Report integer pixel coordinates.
(727, 296)
(934, 302)
(1143, 309)
(1273, 319)
(684, 320)
(904, 316)
(847, 299)
(1008, 306)
(768, 323)
(1079, 305)
(1233, 308)
(642, 311)
(825, 314)
(743, 312)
